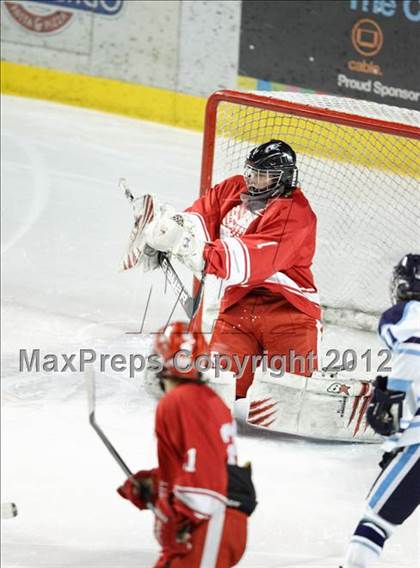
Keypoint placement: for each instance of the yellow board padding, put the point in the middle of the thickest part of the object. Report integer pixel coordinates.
(247, 83)
(320, 139)
(311, 137)
(138, 101)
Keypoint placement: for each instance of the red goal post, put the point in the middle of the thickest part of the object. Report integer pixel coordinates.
(359, 166)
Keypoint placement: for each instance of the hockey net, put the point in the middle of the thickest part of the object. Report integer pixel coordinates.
(359, 166)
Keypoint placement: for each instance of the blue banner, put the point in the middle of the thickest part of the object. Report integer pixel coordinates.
(101, 7)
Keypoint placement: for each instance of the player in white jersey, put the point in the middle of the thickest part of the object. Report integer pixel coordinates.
(394, 412)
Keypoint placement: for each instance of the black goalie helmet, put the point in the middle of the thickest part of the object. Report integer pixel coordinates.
(405, 283)
(270, 170)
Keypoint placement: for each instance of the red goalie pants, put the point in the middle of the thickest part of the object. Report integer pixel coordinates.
(209, 550)
(263, 330)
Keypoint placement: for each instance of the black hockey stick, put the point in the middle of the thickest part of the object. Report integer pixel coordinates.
(190, 303)
(91, 396)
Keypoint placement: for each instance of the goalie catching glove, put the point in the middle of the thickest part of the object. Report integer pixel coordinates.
(173, 233)
(385, 408)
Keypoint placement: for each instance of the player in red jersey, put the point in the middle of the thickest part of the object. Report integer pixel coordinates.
(201, 497)
(256, 233)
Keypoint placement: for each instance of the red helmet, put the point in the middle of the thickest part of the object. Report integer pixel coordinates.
(178, 349)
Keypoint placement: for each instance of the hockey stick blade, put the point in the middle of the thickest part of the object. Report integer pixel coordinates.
(127, 191)
(8, 510)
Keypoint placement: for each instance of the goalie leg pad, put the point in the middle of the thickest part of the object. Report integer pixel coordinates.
(224, 385)
(323, 406)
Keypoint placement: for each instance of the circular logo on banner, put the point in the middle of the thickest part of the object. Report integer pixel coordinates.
(367, 37)
(339, 388)
(37, 18)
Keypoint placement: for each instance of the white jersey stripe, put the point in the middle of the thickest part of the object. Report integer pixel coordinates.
(292, 286)
(247, 261)
(202, 491)
(199, 225)
(227, 261)
(237, 261)
(201, 501)
(377, 529)
(213, 538)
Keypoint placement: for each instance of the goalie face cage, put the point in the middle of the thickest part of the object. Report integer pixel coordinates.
(359, 166)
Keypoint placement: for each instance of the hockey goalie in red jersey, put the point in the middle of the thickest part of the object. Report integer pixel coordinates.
(201, 497)
(256, 233)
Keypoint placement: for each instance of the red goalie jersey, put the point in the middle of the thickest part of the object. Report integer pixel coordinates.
(274, 249)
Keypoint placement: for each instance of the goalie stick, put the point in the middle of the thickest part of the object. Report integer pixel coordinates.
(143, 215)
(91, 397)
(188, 302)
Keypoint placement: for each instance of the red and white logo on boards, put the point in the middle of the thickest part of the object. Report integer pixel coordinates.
(49, 16)
(38, 18)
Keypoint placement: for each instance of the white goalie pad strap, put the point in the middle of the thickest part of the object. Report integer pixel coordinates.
(323, 406)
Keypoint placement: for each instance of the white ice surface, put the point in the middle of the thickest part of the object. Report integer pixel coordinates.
(64, 227)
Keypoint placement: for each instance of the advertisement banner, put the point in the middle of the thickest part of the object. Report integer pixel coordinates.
(365, 49)
(41, 23)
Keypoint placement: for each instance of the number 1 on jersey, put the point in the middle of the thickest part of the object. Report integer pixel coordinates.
(191, 458)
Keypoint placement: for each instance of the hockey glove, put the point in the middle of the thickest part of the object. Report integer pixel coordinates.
(173, 233)
(241, 491)
(385, 408)
(141, 489)
(172, 531)
(164, 233)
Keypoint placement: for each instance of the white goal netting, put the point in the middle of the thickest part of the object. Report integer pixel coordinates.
(362, 183)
